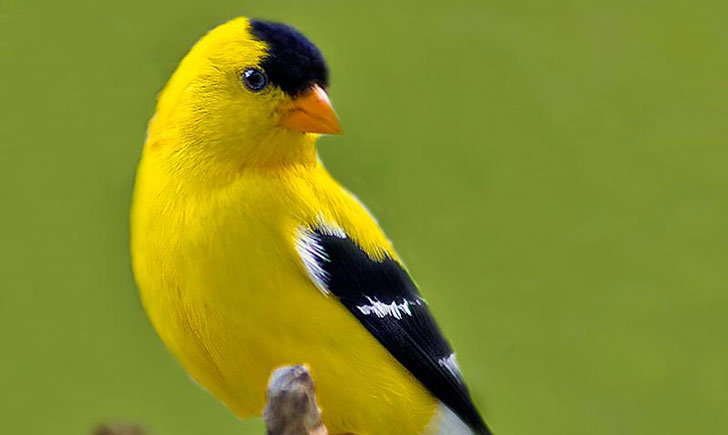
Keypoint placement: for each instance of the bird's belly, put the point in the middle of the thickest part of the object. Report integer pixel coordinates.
(231, 320)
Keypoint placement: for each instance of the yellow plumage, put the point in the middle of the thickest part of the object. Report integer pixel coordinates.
(221, 192)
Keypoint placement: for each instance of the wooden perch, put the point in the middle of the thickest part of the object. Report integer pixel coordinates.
(291, 404)
(119, 429)
(290, 407)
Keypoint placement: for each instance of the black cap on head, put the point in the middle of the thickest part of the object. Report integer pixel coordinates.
(293, 62)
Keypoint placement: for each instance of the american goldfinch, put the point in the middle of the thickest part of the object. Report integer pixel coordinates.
(249, 256)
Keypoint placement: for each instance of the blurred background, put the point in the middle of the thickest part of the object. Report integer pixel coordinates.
(555, 175)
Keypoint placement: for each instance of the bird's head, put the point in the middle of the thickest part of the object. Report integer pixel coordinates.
(248, 93)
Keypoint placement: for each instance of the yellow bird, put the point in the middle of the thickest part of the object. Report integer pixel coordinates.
(249, 255)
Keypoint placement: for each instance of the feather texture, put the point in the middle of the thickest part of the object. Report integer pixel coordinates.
(383, 297)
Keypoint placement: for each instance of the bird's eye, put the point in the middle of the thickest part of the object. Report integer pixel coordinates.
(255, 79)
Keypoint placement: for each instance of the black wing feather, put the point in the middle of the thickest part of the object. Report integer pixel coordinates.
(368, 288)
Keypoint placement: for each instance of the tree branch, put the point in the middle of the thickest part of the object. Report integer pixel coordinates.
(290, 407)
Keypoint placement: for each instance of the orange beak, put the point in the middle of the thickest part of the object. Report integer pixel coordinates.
(312, 113)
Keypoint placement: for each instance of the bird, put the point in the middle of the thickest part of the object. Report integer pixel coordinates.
(249, 256)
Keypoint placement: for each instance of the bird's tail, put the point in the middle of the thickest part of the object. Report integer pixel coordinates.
(446, 422)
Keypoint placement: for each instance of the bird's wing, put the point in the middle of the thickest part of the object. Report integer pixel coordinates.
(382, 296)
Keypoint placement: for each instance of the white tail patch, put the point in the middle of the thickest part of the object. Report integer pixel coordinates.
(446, 422)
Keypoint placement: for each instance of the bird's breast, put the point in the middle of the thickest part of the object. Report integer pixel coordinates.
(224, 286)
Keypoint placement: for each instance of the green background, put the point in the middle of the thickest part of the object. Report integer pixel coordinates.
(555, 174)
